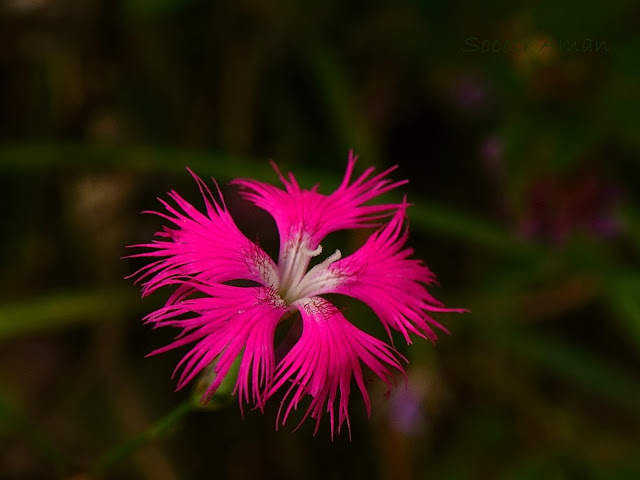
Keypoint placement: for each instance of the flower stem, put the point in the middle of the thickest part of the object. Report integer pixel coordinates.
(131, 445)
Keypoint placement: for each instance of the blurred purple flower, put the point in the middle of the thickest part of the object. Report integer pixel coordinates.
(406, 414)
(491, 153)
(555, 208)
(470, 93)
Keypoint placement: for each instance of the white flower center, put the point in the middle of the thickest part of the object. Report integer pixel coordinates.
(295, 281)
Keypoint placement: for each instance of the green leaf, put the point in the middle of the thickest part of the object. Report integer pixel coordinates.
(136, 158)
(574, 364)
(455, 224)
(64, 309)
(623, 296)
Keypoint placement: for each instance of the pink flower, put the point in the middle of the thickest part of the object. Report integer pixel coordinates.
(202, 252)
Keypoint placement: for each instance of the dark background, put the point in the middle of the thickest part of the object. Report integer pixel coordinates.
(519, 130)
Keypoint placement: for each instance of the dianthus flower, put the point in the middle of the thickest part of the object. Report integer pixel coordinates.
(204, 255)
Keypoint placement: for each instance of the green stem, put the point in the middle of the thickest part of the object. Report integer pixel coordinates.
(131, 445)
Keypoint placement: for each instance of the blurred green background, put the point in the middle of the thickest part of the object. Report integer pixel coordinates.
(519, 130)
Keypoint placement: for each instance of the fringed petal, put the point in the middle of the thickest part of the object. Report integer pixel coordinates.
(325, 359)
(209, 247)
(227, 322)
(381, 274)
(308, 216)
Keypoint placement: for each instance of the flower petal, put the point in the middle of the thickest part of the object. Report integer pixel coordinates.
(324, 360)
(225, 322)
(381, 275)
(209, 247)
(308, 216)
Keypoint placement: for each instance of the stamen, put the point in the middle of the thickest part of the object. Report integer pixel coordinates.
(314, 279)
(329, 260)
(312, 253)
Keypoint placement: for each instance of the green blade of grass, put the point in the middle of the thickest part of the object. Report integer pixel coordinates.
(64, 309)
(576, 365)
(623, 296)
(425, 215)
(455, 224)
(33, 156)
